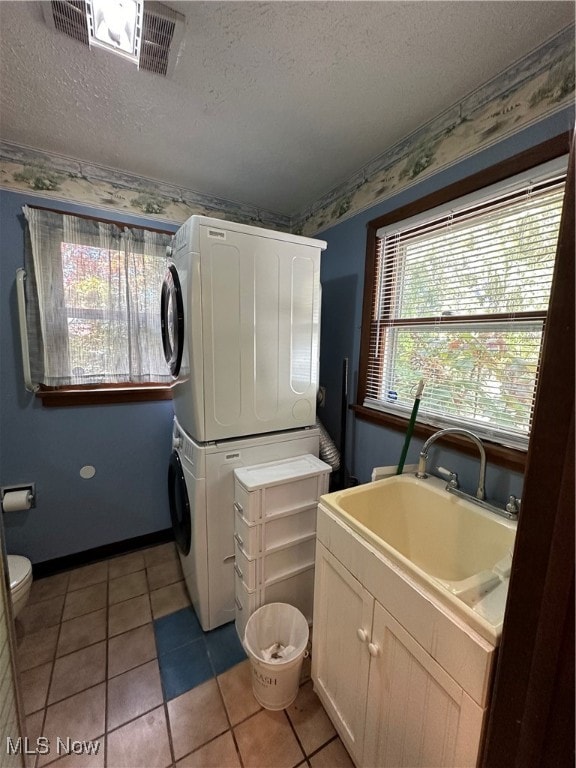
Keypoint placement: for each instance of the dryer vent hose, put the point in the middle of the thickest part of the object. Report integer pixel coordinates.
(328, 451)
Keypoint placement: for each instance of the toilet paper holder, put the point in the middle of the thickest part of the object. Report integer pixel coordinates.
(25, 487)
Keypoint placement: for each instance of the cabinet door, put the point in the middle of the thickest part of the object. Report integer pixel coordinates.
(417, 715)
(340, 661)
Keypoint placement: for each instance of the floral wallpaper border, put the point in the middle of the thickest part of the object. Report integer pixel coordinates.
(534, 88)
(23, 169)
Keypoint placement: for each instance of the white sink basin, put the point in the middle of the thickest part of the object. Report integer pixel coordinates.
(450, 544)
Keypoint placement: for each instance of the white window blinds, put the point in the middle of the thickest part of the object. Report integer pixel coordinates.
(460, 299)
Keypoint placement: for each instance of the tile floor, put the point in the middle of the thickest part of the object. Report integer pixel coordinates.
(112, 654)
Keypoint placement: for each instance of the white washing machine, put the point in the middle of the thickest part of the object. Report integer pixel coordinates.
(201, 492)
(240, 328)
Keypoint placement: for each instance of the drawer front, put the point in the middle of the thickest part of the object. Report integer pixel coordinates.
(246, 604)
(247, 536)
(247, 503)
(260, 571)
(246, 569)
(284, 562)
(297, 590)
(285, 530)
(282, 498)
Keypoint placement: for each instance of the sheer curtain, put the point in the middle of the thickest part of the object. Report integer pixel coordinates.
(93, 292)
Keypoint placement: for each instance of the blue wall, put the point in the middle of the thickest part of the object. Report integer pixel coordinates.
(129, 445)
(342, 275)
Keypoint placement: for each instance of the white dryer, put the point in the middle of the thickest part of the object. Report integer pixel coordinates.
(201, 494)
(240, 326)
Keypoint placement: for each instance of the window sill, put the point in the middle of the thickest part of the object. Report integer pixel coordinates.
(58, 397)
(496, 454)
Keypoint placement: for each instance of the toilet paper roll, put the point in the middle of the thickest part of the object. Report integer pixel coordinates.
(16, 501)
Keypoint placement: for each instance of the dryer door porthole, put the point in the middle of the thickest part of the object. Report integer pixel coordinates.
(179, 504)
(172, 320)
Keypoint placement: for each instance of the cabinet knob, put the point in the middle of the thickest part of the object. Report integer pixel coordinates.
(362, 635)
(373, 649)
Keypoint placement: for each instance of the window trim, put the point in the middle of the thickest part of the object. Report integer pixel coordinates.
(551, 149)
(102, 394)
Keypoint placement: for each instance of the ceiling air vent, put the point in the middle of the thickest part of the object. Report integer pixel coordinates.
(68, 16)
(162, 31)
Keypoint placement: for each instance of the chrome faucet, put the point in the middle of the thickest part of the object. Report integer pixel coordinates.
(421, 473)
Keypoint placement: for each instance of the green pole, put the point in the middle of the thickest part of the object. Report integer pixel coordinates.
(410, 429)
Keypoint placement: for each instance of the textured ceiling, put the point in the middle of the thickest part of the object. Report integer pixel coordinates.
(271, 103)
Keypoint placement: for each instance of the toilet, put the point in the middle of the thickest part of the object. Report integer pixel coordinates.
(20, 572)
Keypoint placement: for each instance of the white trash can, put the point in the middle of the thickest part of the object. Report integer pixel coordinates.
(275, 639)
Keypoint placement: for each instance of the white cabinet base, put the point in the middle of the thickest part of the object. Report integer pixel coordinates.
(340, 663)
(416, 714)
(391, 701)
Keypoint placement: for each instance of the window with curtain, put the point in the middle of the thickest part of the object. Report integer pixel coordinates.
(459, 297)
(93, 298)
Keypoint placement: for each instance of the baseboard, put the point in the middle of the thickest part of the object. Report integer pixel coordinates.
(50, 567)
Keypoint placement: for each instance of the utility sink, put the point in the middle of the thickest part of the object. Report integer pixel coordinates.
(446, 542)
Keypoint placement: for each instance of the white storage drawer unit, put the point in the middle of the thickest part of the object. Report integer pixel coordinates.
(263, 570)
(275, 534)
(296, 589)
(277, 487)
(257, 538)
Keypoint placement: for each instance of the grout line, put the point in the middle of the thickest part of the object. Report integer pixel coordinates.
(132, 719)
(230, 726)
(294, 731)
(164, 700)
(169, 731)
(107, 628)
(210, 741)
(54, 659)
(176, 647)
(100, 738)
(53, 662)
(322, 746)
(88, 645)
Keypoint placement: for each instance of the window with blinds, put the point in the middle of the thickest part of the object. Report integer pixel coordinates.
(460, 300)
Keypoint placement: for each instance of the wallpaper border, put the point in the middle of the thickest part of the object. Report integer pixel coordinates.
(531, 90)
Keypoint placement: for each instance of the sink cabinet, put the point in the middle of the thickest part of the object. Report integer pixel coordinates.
(341, 661)
(404, 683)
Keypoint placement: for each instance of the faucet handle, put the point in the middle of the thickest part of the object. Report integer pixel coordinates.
(452, 477)
(513, 505)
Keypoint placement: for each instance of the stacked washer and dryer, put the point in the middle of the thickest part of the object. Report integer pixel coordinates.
(240, 330)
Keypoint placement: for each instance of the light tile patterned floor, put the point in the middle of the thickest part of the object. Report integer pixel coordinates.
(113, 653)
